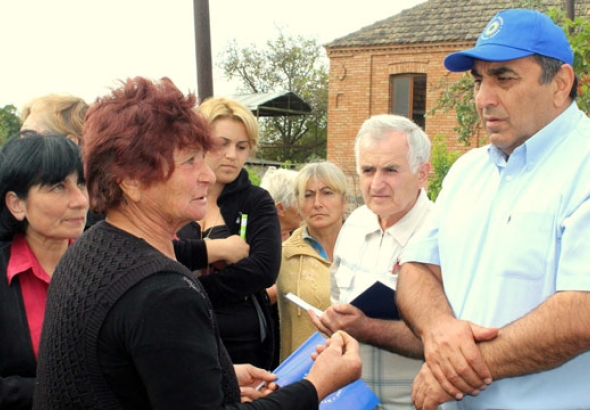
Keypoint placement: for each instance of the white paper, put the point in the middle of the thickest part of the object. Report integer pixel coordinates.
(303, 304)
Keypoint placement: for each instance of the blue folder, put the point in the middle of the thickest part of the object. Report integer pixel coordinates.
(355, 396)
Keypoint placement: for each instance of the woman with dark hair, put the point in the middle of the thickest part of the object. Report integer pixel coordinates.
(128, 326)
(42, 210)
(58, 113)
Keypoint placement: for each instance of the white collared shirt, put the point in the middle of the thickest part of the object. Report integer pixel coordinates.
(364, 253)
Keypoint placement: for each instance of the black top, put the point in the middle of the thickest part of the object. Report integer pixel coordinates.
(128, 328)
(17, 359)
(238, 291)
(260, 269)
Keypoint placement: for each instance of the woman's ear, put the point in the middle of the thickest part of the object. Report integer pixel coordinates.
(131, 189)
(280, 209)
(16, 205)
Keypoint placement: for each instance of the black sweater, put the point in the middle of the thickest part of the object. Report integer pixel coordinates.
(128, 328)
(17, 359)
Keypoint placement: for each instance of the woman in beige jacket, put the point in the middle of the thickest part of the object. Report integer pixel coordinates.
(322, 193)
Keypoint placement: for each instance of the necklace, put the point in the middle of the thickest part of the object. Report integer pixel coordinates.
(210, 227)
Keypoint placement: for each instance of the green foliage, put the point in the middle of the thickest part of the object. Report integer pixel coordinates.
(441, 160)
(9, 122)
(253, 175)
(578, 33)
(459, 96)
(286, 63)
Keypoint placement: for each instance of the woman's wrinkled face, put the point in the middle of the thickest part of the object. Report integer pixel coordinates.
(183, 196)
(321, 206)
(227, 161)
(56, 211)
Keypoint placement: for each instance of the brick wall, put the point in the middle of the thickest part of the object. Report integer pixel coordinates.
(359, 88)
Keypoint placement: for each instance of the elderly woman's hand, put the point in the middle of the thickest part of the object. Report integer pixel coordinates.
(254, 382)
(336, 364)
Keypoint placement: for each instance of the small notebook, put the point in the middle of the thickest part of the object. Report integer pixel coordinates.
(378, 302)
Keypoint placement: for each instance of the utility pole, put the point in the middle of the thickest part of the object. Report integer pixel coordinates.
(203, 50)
(570, 9)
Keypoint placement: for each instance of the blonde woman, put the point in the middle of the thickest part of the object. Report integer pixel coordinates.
(322, 193)
(238, 290)
(62, 113)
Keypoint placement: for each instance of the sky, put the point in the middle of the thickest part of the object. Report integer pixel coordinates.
(84, 48)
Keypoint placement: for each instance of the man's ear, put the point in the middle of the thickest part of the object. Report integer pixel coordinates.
(16, 205)
(564, 81)
(423, 173)
(131, 189)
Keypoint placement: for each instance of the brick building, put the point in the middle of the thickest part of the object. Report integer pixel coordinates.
(395, 65)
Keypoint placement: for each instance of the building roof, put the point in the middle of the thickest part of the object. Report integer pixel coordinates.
(438, 21)
(282, 103)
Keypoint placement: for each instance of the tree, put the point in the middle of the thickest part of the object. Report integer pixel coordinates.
(578, 32)
(459, 96)
(9, 122)
(287, 63)
(441, 160)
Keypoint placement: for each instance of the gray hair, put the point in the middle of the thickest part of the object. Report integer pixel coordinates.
(280, 185)
(378, 126)
(325, 171)
(549, 68)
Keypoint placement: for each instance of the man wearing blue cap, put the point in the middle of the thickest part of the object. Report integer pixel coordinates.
(497, 284)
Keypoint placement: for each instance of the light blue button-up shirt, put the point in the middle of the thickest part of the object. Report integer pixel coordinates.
(508, 234)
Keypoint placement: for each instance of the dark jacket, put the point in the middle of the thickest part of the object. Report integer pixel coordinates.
(252, 275)
(17, 359)
(259, 270)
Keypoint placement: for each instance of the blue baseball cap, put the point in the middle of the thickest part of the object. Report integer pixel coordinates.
(512, 34)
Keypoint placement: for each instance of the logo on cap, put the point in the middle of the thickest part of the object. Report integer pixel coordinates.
(493, 28)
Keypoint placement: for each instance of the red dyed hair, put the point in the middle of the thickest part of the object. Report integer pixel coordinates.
(133, 132)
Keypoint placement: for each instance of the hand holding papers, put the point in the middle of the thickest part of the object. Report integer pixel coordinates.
(355, 395)
(377, 302)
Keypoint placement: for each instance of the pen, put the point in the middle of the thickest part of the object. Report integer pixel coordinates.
(243, 224)
(261, 385)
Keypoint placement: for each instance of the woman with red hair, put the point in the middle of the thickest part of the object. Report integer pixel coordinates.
(127, 326)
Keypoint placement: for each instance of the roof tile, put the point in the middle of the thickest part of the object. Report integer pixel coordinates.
(439, 21)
